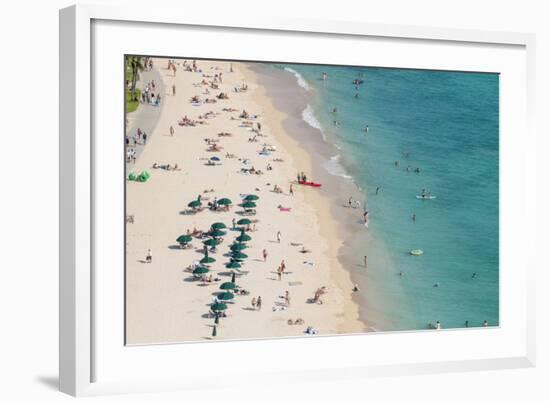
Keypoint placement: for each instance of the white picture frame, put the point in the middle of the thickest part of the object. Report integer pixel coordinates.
(78, 350)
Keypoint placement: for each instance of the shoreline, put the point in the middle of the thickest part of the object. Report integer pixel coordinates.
(352, 322)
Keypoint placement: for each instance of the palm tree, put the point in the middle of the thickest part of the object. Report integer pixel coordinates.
(136, 63)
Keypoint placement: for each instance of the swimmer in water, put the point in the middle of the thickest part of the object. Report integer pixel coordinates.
(356, 96)
(377, 190)
(474, 275)
(366, 129)
(335, 110)
(414, 217)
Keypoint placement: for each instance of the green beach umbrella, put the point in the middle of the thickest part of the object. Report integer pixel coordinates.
(211, 242)
(244, 222)
(183, 239)
(243, 238)
(218, 306)
(233, 265)
(194, 204)
(217, 233)
(228, 286)
(239, 255)
(237, 247)
(251, 197)
(200, 270)
(226, 296)
(224, 201)
(218, 226)
(248, 205)
(206, 258)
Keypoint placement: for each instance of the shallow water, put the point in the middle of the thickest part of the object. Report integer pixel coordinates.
(445, 124)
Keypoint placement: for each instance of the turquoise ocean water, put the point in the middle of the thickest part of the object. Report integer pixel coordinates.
(445, 124)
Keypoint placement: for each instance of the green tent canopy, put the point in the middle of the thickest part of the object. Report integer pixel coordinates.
(233, 265)
(218, 306)
(200, 270)
(225, 296)
(183, 239)
(211, 242)
(228, 286)
(194, 204)
(217, 233)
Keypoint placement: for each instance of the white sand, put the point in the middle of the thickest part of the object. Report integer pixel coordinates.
(163, 305)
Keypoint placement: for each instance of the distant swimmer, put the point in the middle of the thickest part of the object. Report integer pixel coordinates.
(356, 96)
(366, 217)
(474, 275)
(414, 218)
(437, 325)
(355, 288)
(417, 170)
(335, 110)
(377, 190)
(396, 163)
(436, 285)
(401, 274)
(325, 76)
(366, 129)
(466, 323)
(485, 323)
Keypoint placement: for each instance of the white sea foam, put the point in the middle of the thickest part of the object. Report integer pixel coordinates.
(301, 81)
(334, 167)
(309, 117)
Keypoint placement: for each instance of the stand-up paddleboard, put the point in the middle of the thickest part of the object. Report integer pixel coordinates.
(416, 252)
(309, 183)
(425, 197)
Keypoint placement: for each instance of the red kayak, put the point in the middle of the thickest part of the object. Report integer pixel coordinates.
(309, 183)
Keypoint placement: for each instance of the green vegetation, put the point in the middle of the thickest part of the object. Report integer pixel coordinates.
(134, 65)
(132, 105)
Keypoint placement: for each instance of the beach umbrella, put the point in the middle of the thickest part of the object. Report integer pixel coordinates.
(233, 265)
(237, 247)
(211, 242)
(251, 197)
(218, 226)
(215, 158)
(244, 222)
(248, 205)
(200, 270)
(226, 296)
(239, 255)
(243, 238)
(183, 239)
(217, 233)
(194, 204)
(218, 306)
(207, 259)
(228, 286)
(224, 201)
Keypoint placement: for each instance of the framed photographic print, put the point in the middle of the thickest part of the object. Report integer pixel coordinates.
(295, 199)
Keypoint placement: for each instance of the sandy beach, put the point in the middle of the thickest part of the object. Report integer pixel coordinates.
(164, 301)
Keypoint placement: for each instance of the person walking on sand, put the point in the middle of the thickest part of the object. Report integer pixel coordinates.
(287, 298)
(144, 138)
(279, 273)
(234, 223)
(291, 190)
(171, 130)
(365, 261)
(259, 303)
(149, 257)
(279, 236)
(173, 89)
(253, 303)
(350, 201)
(264, 254)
